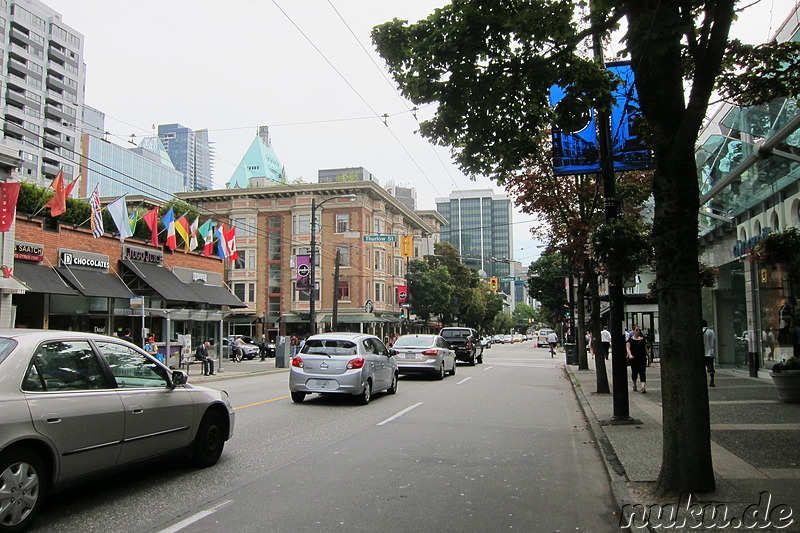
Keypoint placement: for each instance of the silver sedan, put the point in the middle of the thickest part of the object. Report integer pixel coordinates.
(343, 363)
(429, 354)
(77, 404)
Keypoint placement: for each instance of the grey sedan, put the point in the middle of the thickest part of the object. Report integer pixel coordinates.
(429, 354)
(79, 404)
(343, 363)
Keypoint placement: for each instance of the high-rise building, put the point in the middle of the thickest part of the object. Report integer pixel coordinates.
(479, 226)
(329, 175)
(42, 89)
(406, 195)
(191, 154)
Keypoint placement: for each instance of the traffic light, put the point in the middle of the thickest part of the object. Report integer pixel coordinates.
(403, 313)
(492, 284)
(406, 245)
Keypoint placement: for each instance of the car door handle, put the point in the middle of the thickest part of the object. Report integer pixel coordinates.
(52, 418)
(136, 410)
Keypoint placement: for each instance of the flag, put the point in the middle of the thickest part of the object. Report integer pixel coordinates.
(193, 234)
(169, 223)
(151, 218)
(230, 244)
(96, 220)
(222, 245)
(182, 227)
(119, 214)
(58, 203)
(206, 231)
(9, 192)
(133, 218)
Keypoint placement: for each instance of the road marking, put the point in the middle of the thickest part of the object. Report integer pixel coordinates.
(398, 415)
(259, 403)
(488, 368)
(194, 518)
(463, 380)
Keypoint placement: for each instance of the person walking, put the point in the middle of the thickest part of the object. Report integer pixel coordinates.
(552, 340)
(152, 348)
(709, 345)
(202, 355)
(636, 346)
(605, 343)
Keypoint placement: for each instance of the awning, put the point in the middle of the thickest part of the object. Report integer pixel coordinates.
(293, 319)
(12, 285)
(94, 283)
(359, 318)
(163, 281)
(214, 295)
(42, 279)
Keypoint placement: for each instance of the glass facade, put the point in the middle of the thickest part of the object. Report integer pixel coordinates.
(190, 153)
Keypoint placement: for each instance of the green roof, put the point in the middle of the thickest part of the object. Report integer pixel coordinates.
(260, 161)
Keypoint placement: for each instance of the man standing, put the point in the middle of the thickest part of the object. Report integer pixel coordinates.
(552, 340)
(202, 355)
(605, 343)
(709, 343)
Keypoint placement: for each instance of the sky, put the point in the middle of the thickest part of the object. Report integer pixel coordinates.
(307, 69)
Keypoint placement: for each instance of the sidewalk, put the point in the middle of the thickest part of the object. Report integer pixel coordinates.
(230, 369)
(755, 445)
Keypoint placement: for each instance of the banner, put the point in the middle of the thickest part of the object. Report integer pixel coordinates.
(303, 263)
(402, 294)
(9, 192)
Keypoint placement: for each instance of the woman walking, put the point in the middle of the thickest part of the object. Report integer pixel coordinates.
(637, 357)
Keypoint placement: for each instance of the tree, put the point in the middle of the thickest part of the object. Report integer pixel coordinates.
(493, 304)
(489, 66)
(466, 305)
(430, 291)
(546, 284)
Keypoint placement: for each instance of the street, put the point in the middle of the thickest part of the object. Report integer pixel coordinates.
(498, 446)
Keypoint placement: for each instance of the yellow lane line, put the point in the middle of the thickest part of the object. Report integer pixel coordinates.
(259, 403)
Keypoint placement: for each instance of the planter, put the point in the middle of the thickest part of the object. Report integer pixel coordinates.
(787, 383)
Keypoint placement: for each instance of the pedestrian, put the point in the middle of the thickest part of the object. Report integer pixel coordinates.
(238, 349)
(202, 355)
(710, 348)
(152, 348)
(605, 343)
(552, 340)
(126, 335)
(301, 343)
(636, 346)
(294, 342)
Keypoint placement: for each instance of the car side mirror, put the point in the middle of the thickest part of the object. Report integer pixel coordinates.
(392, 351)
(179, 378)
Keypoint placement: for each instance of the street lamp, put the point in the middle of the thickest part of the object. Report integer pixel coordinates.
(312, 314)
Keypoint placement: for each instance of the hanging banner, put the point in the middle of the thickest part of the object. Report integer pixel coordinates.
(402, 294)
(303, 263)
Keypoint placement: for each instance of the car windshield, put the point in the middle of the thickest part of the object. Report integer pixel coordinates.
(414, 341)
(328, 347)
(455, 333)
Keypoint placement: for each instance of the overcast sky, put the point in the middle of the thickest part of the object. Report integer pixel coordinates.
(305, 68)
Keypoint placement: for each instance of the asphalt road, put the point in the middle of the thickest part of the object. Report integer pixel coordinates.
(497, 447)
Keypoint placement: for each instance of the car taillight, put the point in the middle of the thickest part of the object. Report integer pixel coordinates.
(297, 362)
(430, 352)
(469, 345)
(358, 362)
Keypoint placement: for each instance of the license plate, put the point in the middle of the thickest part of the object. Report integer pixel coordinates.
(322, 384)
(411, 355)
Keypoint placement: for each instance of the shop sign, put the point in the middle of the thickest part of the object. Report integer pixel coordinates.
(28, 252)
(741, 247)
(142, 255)
(70, 258)
(199, 276)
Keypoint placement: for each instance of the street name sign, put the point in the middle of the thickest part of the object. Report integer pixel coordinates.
(380, 238)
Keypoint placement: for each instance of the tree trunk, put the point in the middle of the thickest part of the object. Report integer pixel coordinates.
(580, 312)
(599, 363)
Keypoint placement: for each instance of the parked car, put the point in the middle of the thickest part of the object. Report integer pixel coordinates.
(486, 342)
(497, 339)
(464, 341)
(250, 350)
(344, 363)
(429, 354)
(76, 405)
(507, 339)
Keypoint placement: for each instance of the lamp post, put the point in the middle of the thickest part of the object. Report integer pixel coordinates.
(312, 313)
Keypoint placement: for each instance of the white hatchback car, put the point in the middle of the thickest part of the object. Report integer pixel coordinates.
(344, 363)
(79, 404)
(428, 354)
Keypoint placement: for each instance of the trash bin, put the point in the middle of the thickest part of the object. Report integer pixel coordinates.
(571, 349)
(282, 352)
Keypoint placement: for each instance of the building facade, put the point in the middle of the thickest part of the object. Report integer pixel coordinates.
(42, 89)
(749, 172)
(406, 195)
(190, 153)
(260, 166)
(273, 228)
(479, 226)
(331, 175)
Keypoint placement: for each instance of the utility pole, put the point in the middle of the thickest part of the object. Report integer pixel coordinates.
(335, 314)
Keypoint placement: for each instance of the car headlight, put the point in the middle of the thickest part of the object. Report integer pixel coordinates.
(226, 398)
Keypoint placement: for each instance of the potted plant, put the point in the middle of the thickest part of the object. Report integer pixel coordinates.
(780, 248)
(786, 377)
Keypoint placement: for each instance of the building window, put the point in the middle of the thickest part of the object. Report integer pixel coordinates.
(380, 256)
(342, 222)
(344, 290)
(246, 292)
(245, 227)
(307, 251)
(274, 279)
(246, 260)
(274, 307)
(378, 227)
(274, 245)
(301, 224)
(304, 296)
(274, 222)
(380, 292)
(398, 267)
(344, 255)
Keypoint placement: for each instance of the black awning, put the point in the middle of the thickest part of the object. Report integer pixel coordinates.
(95, 283)
(163, 281)
(42, 278)
(215, 295)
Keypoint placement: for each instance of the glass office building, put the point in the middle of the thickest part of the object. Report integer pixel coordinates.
(191, 154)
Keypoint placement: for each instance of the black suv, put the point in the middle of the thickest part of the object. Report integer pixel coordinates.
(466, 344)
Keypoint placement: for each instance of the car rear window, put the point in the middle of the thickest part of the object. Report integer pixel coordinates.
(455, 333)
(6, 347)
(415, 341)
(329, 347)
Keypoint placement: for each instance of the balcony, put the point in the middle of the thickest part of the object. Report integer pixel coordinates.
(51, 111)
(58, 125)
(21, 36)
(14, 130)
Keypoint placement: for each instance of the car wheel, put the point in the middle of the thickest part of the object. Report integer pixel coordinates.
(455, 364)
(209, 441)
(366, 395)
(23, 481)
(298, 397)
(480, 358)
(472, 358)
(393, 388)
(440, 373)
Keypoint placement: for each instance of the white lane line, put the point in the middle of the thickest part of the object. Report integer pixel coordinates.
(401, 413)
(463, 380)
(194, 518)
(488, 368)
